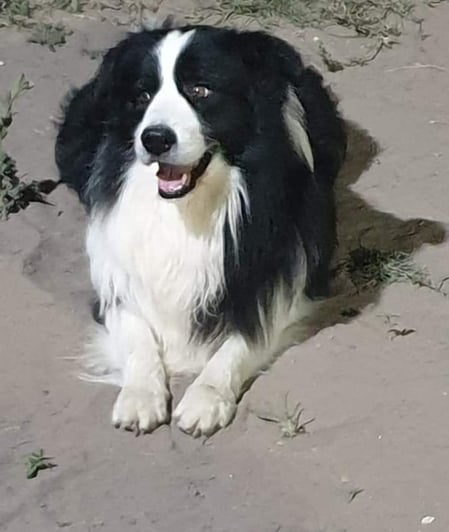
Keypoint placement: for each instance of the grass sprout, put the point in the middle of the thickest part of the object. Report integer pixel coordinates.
(290, 423)
(36, 462)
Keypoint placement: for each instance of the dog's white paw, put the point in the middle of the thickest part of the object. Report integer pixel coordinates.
(203, 410)
(140, 410)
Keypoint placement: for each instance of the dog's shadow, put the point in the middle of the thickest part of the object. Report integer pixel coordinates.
(359, 224)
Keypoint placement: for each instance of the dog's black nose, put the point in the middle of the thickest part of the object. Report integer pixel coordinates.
(158, 139)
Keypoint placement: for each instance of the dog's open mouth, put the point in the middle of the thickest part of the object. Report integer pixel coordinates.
(176, 181)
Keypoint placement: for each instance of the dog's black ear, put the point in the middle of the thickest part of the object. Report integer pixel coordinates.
(82, 126)
(103, 80)
(84, 104)
(278, 71)
(269, 59)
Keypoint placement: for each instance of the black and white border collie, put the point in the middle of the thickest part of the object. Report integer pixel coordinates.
(206, 159)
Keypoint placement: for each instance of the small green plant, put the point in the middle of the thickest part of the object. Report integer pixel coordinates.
(51, 35)
(36, 462)
(290, 423)
(371, 267)
(15, 194)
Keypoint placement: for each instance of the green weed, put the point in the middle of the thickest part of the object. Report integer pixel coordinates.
(36, 462)
(15, 194)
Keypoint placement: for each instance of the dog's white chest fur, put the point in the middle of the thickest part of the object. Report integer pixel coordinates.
(163, 259)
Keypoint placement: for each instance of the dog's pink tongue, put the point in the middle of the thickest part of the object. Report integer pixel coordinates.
(172, 178)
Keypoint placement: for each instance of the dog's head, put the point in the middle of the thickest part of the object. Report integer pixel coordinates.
(178, 97)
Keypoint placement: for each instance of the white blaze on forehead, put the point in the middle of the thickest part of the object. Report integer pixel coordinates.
(169, 108)
(168, 52)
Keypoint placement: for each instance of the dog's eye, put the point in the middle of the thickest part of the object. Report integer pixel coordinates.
(199, 92)
(143, 99)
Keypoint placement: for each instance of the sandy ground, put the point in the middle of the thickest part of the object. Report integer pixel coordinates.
(380, 405)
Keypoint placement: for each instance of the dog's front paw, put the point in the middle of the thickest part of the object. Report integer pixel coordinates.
(140, 410)
(203, 410)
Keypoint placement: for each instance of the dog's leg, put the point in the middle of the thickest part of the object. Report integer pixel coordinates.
(142, 403)
(210, 402)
